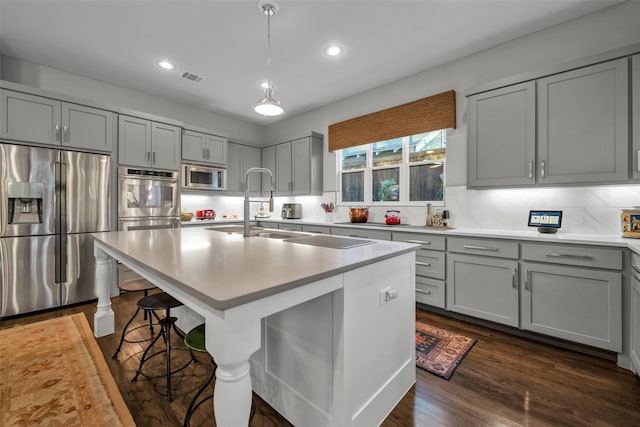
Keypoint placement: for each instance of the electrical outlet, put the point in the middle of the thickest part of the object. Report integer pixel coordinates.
(387, 294)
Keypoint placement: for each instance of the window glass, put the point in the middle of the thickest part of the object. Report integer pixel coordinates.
(385, 185)
(426, 182)
(428, 146)
(353, 187)
(354, 157)
(388, 152)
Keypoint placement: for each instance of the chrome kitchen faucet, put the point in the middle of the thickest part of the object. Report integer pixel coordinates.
(246, 197)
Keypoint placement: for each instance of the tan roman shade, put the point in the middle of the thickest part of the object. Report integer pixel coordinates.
(424, 115)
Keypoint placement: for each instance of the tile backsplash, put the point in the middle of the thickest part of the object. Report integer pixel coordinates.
(586, 210)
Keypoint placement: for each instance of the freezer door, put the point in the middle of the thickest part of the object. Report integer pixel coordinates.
(85, 203)
(27, 190)
(79, 285)
(27, 275)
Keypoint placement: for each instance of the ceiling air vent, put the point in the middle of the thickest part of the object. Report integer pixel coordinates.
(193, 77)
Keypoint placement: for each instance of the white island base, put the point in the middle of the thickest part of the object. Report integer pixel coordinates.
(345, 358)
(335, 351)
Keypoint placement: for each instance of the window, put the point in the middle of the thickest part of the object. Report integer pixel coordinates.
(404, 170)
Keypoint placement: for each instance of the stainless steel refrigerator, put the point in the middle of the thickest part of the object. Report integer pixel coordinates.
(50, 201)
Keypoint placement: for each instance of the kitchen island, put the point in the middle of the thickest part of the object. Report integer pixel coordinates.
(325, 336)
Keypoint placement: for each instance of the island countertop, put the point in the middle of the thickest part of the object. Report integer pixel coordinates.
(226, 270)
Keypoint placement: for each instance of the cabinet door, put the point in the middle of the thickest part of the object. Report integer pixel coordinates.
(576, 304)
(283, 168)
(635, 322)
(635, 84)
(251, 159)
(86, 127)
(300, 166)
(134, 141)
(583, 129)
(235, 183)
(216, 150)
(483, 287)
(194, 146)
(29, 118)
(165, 144)
(269, 162)
(501, 137)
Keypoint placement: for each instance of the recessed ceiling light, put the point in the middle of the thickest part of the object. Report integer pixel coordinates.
(333, 50)
(166, 64)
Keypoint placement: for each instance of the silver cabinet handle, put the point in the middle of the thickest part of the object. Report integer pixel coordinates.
(362, 237)
(65, 133)
(531, 169)
(514, 272)
(557, 255)
(420, 291)
(153, 158)
(149, 157)
(420, 242)
(204, 153)
(481, 248)
(208, 157)
(542, 170)
(526, 280)
(58, 133)
(425, 264)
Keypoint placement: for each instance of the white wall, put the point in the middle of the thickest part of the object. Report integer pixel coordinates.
(599, 32)
(35, 75)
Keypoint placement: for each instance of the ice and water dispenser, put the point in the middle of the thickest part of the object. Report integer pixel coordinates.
(25, 201)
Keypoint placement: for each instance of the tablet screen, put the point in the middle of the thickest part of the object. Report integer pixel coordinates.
(551, 219)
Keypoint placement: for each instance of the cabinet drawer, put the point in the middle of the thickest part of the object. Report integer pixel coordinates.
(486, 247)
(430, 264)
(319, 229)
(290, 227)
(584, 256)
(430, 292)
(428, 241)
(362, 233)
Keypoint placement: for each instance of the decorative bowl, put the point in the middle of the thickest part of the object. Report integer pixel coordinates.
(358, 214)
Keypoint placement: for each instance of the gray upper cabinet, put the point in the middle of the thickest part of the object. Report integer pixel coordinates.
(202, 148)
(145, 143)
(39, 120)
(635, 110)
(240, 159)
(269, 162)
(502, 136)
(583, 131)
(298, 166)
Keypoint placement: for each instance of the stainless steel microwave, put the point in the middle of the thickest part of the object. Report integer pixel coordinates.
(196, 177)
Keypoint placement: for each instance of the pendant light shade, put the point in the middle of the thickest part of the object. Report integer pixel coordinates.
(268, 106)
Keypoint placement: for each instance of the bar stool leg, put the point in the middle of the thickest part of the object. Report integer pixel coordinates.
(124, 332)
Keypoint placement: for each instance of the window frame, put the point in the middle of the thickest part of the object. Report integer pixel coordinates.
(404, 177)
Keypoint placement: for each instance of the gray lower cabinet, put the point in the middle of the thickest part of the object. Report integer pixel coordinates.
(583, 132)
(635, 319)
(582, 305)
(240, 158)
(290, 227)
(318, 229)
(40, 120)
(203, 148)
(361, 232)
(502, 136)
(430, 266)
(145, 143)
(483, 287)
(635, 109)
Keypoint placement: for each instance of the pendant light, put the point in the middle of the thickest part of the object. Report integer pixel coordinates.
(268, 106)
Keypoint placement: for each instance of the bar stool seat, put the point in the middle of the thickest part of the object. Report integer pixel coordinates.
(162, 301)
(137, 286)
(195, 340)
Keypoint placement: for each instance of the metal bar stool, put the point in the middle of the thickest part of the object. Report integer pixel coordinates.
(162, 301)
(195, 340)
(136, 286)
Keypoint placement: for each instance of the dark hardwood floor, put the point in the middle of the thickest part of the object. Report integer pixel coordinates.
(503, 381)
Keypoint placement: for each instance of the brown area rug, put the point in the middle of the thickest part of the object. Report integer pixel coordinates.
(52, 373)
(440, 351)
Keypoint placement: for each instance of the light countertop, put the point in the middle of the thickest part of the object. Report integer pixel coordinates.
(226, 270)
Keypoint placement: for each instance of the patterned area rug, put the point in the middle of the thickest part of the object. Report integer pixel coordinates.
(440, 351)
(52, 373)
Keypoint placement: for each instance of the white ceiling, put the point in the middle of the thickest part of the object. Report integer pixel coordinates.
(118, 42)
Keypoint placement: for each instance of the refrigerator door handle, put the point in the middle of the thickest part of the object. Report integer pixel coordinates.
(61, 193)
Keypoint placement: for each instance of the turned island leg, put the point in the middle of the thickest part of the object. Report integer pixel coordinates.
(103, 319)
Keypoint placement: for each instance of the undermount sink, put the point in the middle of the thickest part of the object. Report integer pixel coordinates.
(258, 232)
